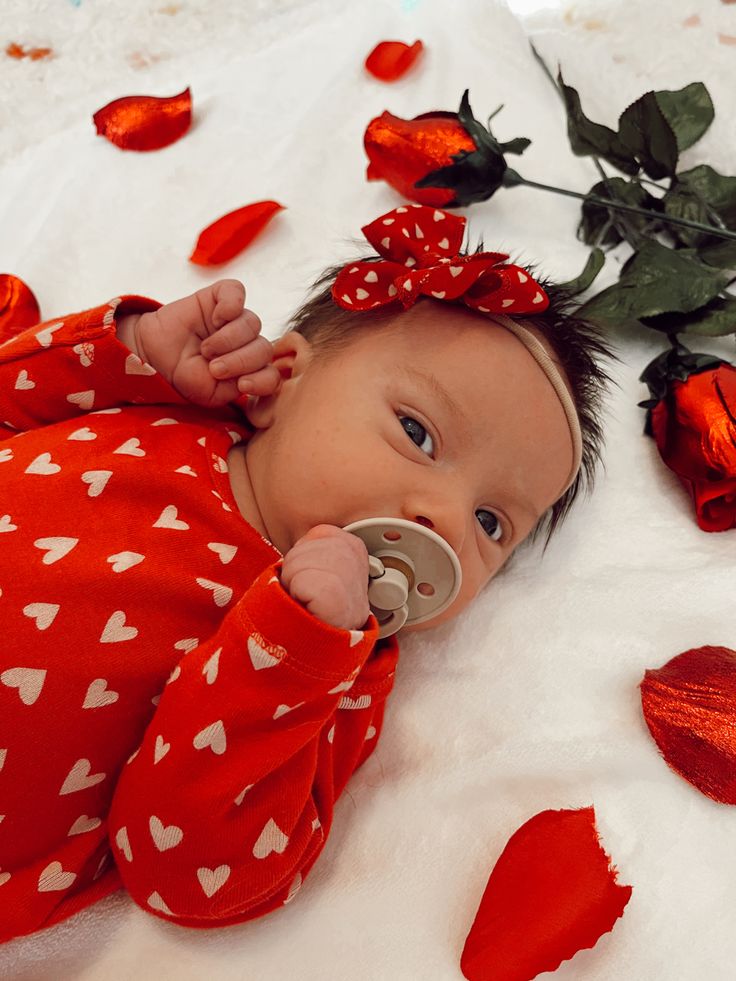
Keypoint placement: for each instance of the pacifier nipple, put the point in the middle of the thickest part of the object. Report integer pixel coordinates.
(414, 573)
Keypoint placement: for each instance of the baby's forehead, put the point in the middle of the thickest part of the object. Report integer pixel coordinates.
(433, 328)
(459, 321)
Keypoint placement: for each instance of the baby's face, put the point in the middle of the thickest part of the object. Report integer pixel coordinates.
(368, 434)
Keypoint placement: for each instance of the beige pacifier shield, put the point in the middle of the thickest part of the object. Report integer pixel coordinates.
(410, 567)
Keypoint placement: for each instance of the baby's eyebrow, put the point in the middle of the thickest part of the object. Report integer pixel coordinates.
(432, 385)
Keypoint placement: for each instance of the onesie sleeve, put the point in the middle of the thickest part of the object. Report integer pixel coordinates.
(75, 364)
(225, 806)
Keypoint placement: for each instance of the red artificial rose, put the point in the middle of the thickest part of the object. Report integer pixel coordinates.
(694, 426)
(402, 151)
(442, 159)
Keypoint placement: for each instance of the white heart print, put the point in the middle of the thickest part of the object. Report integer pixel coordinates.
(260, 657)
(168, 519)
(79, 778)
(122, 561)
(116, 630)
(83, 824)
(98, 695)
(220, 594)
(121, 840)
(23, 381)
(85, 400)
(54, 878)
(43, 465)
(225, 552)
(131, 447)
(28, 681)
(211, 667)
(212, 736)
(271, 839)
(56, 548)
(97, 479)
(155, 902)
(213, 879)
(85, 433)
(164, 837)
(160, 749)
(134, 366)
(42, 613)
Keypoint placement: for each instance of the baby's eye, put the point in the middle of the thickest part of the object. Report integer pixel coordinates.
(493, 528)
(417, 433)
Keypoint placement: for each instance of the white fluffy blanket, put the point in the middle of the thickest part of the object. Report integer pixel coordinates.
(530, 700)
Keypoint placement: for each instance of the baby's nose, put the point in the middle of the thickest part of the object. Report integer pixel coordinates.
(445, 529)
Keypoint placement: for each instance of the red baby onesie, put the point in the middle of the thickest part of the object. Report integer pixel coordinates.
(171, 720)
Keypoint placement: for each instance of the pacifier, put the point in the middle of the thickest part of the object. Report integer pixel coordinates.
(414, 573)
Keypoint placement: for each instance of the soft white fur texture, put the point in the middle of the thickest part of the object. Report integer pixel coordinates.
(530, 700)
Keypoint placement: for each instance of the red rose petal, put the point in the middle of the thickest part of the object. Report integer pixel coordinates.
(550, 894)
(145, 122)
(18, 307)
(230, 234)
(690, 708)
(389, 60)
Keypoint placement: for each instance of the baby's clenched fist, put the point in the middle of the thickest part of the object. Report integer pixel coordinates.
(206, 345)
(326, 571)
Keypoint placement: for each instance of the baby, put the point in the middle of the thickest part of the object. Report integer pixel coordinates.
(190, 671)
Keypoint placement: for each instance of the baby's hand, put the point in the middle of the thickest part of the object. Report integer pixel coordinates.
(326, 571)
(185, 339)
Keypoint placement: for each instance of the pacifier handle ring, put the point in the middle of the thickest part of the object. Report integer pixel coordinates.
(409, 547)
(394, 623)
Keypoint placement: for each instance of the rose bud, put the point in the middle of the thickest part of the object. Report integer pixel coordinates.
(692, 418)
(444, 159)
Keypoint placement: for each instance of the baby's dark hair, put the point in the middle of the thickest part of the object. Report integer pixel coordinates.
(577, 344)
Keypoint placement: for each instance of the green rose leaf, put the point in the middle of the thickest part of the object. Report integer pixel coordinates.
(596, 225)
(714, 320)
(721, 254)
(655, 280)
(688, 111)
(593, 266)
(716, 190)
(645, 132)
(588, 138)
(682, 203)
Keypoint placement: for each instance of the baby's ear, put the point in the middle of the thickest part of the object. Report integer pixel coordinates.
(291, 356)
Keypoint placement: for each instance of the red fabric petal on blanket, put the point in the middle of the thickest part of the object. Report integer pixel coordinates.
(551, 893)
(18, 307)
(230, 234)
(145, 122)
(690, 708)
(389, 60)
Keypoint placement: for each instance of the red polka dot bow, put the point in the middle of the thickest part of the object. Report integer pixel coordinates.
(420, 247)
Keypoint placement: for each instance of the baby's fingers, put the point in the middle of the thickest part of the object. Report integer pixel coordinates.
(229, 296)
(238, 332)
(267, 381)
(245, 361)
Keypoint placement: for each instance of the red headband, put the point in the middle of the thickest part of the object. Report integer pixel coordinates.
(421, 246)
